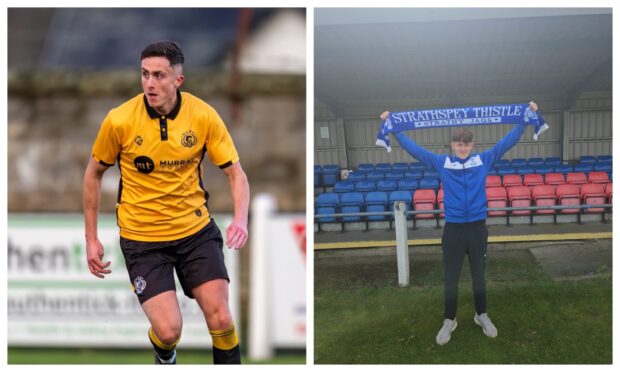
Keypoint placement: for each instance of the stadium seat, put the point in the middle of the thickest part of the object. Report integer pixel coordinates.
(317, 175)
(602, 167)
(586, 159)
(535, 162)
(568, 195)
(429, 183)
(533, 179)
(593, 193)
(375, 176)
(598, 177)
(431, 174)
(502, 171)
(417, 174)
(331, 175)
(517, 163)
(384, 167)
(494, 181)
(386, 185)
(584, 167)
(400, 167)
(351, 202)
(608, 192)
(496, 198)
(502, 163)
(408, 184)
(553, 160)
(604, 159)
(327, 203)
(401, 195)
(343, 186)
(356, 176)
(424, 200)
(511, 180)
(492, 171)
(525, 170)
(394, 175)
(365, 167)
(376, 201)
(575, 178)
(544, 195)
(417, 166)
(520, 196)
(543, 169)
(440, 202)
(554, 179)
(564, 169)
(364, 186)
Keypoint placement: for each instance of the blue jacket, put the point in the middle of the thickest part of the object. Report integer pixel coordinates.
(464, 181)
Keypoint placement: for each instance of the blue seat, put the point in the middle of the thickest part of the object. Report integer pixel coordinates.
(417, 174)
(586, 159)
(502, 163)
(327, 203)
(400, 167)
(376, 201)
(383, 167)
(553, 160)
(544, 169)
(343, 186)
(519, 162)
(564, 169)
(431, 174)
(409, 184)
(366, 167)
(603, 167)
(429, 183)
(352, 202)
(417, 166)
(525, 170)
(386, 185)
(604, 159)
(356, 176)
(364, 186)
(584, 167)
(394, 175)
(502, 171)
(492, 172)
(534, 162)
(317, 175)
(375, 176)
(331, 175)
(402, 195)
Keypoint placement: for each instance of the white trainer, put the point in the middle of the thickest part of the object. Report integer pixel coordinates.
(485, 322)
(443, 336)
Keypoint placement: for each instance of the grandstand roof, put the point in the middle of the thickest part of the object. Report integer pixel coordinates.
(377, 55)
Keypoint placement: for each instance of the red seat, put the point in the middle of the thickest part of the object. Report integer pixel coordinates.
(496, 198)
(423, 200)
(568, 195)
(554, 179)
(598, 177)
(576, 178)
(608, 191)
(593, 193)
(512, 180)
(544, 195)
(533, 179)
(494, 181)
(440, 202)
(520, 196)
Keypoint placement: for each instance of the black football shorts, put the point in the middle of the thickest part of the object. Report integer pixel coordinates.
(197, 259)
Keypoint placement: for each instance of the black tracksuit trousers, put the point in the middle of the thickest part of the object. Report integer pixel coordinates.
(458, 240)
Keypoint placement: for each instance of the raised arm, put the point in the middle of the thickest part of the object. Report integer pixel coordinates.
(237, 231)
(91, 193)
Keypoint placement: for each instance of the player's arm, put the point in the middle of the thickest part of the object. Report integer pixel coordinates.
(237, 231)
(511, 139)
(90, 197)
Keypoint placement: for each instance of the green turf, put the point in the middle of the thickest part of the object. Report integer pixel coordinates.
(367, 319)
(109, 356)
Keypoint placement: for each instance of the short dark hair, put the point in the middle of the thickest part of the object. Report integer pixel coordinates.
(165, 48)
(462, 135)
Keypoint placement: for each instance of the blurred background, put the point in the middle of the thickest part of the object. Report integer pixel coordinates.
(66, 69)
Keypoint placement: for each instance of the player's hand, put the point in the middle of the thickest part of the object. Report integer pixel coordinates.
(385, 115)
(94, 254)
(236, 235)
(533, 106)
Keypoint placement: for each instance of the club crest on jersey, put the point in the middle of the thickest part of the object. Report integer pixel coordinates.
(188, 139)
(138, 140)
(139, 284)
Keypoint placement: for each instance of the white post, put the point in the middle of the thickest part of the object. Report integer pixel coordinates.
(402, 250)
(260, 343)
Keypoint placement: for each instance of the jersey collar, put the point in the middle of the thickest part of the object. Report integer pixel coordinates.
(171, 115)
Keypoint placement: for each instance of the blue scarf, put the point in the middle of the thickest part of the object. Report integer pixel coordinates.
(454, 117)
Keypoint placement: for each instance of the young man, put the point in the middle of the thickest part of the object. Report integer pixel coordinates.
(159, 139)
(465, 233)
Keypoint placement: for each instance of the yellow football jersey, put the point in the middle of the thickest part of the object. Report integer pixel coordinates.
(161, 196)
